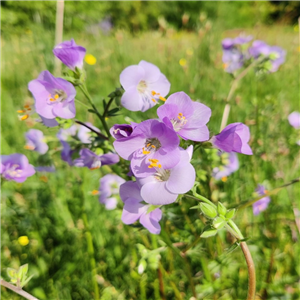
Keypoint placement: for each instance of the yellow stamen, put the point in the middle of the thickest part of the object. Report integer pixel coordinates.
(153, 93)
(56, 96)
(26, 106)
(28, 147)
(29, 109)
(145, 151)
(159, 165)
(162, 98)
(95, 192)
(153, 146)
(225, 65)
(24, 117)
(153, 100)
(51, 99)
(20, 111)
(224, 179)
(148, 145)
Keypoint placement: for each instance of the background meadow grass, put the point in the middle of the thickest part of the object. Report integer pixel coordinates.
(62, 219)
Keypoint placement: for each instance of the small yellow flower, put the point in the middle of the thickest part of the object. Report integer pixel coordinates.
(182, 62)
(23, 240)
(90, 59)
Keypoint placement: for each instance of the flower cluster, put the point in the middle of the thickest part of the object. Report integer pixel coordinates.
(237, 53)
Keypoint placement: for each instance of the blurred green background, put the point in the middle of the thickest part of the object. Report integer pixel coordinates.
(74, 243)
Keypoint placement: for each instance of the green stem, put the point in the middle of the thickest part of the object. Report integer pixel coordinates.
(17, 290)
(78, 101)
(87, 95)
(200, 198)
(107, 107)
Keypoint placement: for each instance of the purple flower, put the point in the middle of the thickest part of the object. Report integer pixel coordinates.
(233, 138)
(263, 203)
(109, 186)
(144, 85)
(294, 119)
(188, 118)
(46, 169)
(135, 210)
(70, 54)
(150, 139)
(35, 140)
(275, 54)
(67, 152)
(54, 97)
(233, 56)
(230, 165)
(120, 131)
(162, 186)
(93, 161)
(16, 167)
(48, 122)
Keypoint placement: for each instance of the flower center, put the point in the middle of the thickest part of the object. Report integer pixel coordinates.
(179, 122)
(14, 171)
(59, 96)
(142, 86)
(160, 174)
(152, 144)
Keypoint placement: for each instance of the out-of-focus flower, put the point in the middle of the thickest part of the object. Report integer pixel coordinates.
(16, 167)
(46, 169)
(48, 122)
(54, 97)
(144, 85)
(233, 138)
(35, 141)
(120, 131)
(106, 25)
(274, 54)
(70, 54)
(163, 185)
(230, 165)
(90, 59)
(26, 112)
(150, 139)
(188, 118)
(93, 161)
(23, 240)
(134, 209)
(109, 188)
(263, 203)
(233, 56)
(183, 62)
(294, 119)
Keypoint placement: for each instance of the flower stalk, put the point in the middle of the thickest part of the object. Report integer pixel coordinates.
(17, 290)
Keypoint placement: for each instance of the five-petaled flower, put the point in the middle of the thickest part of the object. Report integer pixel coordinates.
(144, 85)
(188, 118)
(54, 97)
(16, 167)
(35, 141)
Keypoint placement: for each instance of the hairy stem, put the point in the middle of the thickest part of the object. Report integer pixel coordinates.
(91, 129)
(251, 271)
(17, 290)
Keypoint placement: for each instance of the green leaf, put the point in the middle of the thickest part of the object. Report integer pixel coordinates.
(91, 111)
(219, 223)
(22, 272)
(113, 111)
(12, 273)
(230, 214)
(221, 209)
(208, 210)
(209, 233)
(25, 281)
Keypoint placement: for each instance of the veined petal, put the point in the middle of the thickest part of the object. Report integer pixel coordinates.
(200, 134)
(150, 221)
(152, 72)
(162, 85)
(131, 76)
(132, 99)
(64, 110)
(132, 211)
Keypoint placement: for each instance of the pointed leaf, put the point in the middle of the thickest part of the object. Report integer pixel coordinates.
(209, 233)
(230, 214)
(22, 272)
(221, 209)
(12, 273)
(24, 282)
(219, 223)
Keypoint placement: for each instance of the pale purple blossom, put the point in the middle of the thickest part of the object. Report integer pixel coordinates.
(188, 118)
(134, 208)
(263, 203)
(233, 138)
(144, 85)
(16, 167)
(109, 189)
(233, 56)
(150, 139)
(294, 119)
(35, 141)
(70, 54)
(230, 164)
(54, 97)
(274, 54)
(163, 186)
(93, 161)
(48, 122)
